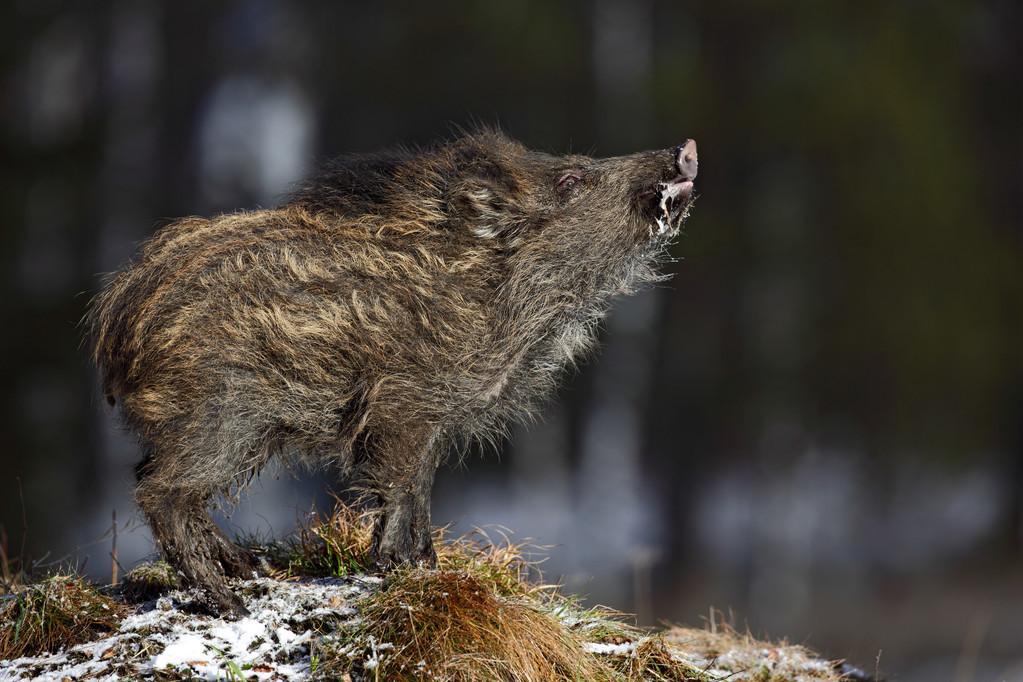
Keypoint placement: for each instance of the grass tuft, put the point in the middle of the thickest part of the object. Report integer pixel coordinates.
(738, 653)
(57, 613)
(503, 565)
(653, 661)
(457, 625)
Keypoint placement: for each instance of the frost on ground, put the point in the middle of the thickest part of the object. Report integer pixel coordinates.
(725, 654)
(295, 625)
(167, 640)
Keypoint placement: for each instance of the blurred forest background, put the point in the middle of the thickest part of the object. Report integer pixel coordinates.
(817, 424)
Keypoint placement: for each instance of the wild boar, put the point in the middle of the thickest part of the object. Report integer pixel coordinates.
(394, 306)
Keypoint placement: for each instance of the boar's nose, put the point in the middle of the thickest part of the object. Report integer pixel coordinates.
(685, 159)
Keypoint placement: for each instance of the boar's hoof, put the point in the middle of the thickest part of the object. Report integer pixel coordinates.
(389, 560)
(406, 550)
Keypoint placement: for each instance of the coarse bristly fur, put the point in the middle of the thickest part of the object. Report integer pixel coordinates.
(395, 305)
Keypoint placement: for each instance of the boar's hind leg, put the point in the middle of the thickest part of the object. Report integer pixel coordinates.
(236, 562)
(403, 480)
(189, 539)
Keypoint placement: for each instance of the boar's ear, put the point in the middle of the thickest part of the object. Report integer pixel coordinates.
(480, 207)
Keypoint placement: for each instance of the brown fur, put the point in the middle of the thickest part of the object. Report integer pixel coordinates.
(394, 306)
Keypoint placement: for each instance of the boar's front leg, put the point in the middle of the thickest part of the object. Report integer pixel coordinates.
(404, 466)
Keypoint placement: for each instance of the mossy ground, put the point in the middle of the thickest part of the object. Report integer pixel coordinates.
(482, 613)
(149, 581)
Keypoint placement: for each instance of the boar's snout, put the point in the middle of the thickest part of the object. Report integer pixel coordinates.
(686, 163)
(674, 195)
(685, 159)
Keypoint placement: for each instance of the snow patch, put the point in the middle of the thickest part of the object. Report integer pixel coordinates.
(166, 637)
(624, 649)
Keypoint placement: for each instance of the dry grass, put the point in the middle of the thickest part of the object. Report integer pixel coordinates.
(653, 661)
(456, 625)
(56, 613)
(741, 653)
(481, 614)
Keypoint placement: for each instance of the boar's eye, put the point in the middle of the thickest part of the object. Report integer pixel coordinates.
(569, 179)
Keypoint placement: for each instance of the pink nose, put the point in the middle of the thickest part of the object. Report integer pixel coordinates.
(686, 159)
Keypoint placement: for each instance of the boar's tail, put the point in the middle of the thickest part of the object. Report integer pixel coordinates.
(117, 323)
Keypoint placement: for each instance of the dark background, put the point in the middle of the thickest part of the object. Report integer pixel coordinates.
(817, 424)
